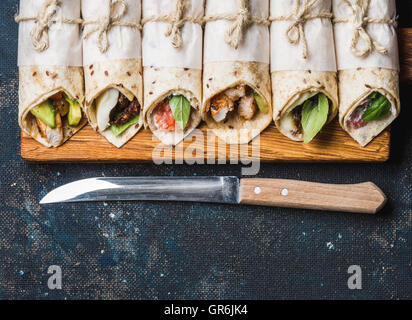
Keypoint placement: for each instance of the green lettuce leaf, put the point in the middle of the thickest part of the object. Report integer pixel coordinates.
(314, 117)
(377, 109)
(180, 107)
(118, 130)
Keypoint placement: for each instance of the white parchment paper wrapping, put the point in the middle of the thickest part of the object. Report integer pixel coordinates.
(319, 34)
(124, 41)
(255, 43)
(157, 48)
(384, 34)
(65, 45)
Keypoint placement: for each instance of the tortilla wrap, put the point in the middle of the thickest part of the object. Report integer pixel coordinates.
(232, 59)
(172, 63)
(220, 76)
(115, 63)
(364, 68)
(124, 75)
(304, 69)
(355, 86)
(51, 69)
(292, 88)
(162, 82)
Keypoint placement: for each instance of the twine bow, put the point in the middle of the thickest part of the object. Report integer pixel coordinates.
(44, 19)
(176, 21)
(359, 21)
(176, 24)
(296, 31)
(242, 19)
(116, 11)
(234, 35)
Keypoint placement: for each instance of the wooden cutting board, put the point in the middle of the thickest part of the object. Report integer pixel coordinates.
(331, 145)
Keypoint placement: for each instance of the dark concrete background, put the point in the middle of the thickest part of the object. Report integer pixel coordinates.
(191, 251)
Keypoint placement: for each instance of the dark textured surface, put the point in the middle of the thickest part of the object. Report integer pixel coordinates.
(191, 251)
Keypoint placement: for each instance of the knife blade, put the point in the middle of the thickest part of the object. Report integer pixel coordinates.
(358, 198)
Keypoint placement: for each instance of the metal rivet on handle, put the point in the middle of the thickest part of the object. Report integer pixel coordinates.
(258, 190)
(284, 192)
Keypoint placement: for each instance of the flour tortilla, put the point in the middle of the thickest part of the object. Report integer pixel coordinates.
(161, 82)
(39, 83)
(357, 84)
(220, 76)
(124, 75)
(291, 86)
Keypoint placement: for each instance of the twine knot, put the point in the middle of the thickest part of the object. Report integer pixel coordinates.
(242, 19)
(358, 18)
(177, 21)
(359, 22)
(115, 13)
(234, 35)
(295, 33)
(44, 19)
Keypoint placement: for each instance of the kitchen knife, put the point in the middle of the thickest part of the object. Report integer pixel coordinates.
(358, 198)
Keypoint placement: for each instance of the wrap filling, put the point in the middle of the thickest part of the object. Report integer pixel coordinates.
(241, 101)
(52, 113)
(172, 114)
(116, 112)
(374, 108)
(306, 117)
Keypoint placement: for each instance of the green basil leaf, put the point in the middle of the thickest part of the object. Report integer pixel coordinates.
(180, 107)
(260, 103)
(118, 130)
(314, 117)
(377, 109)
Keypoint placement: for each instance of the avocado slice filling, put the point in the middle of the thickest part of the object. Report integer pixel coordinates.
(59, 103)
(45, 112)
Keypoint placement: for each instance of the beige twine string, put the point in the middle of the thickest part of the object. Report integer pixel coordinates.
(177, 20)
(242, 19)
(44, 19)
(174, 30)
(359, 21)
(116, 11)
(296, 31)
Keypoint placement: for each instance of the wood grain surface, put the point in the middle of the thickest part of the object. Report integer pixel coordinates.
(405, 53)
(357, 198)
(332, 144)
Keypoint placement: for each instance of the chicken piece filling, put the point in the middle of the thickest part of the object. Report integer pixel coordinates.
(240, 100)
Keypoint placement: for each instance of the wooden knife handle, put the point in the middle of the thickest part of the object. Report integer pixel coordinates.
(358, 198)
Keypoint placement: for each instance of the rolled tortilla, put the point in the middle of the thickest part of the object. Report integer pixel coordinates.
(295, 78)
(226, 67)
(363, 72)
(55, 70)
(171, 69)
(119, 68)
